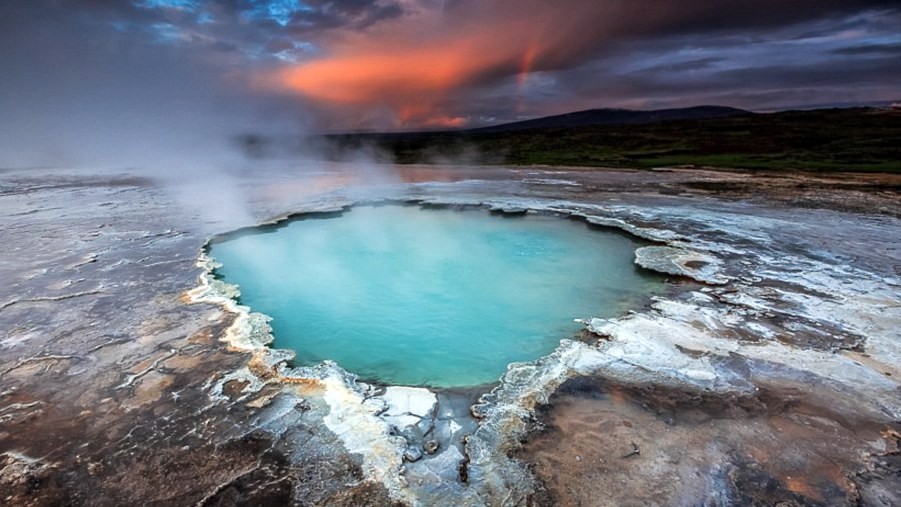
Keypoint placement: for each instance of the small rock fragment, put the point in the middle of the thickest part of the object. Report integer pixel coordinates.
(634, 452)
(412, 454)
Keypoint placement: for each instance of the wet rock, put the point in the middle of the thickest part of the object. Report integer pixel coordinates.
(407, 406)
(730, 439)
(128, 406)
(430, 447)
(25, 479)
(681, 262)
(413, 454)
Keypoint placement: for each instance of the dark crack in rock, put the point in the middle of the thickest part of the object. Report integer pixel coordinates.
(771, 379)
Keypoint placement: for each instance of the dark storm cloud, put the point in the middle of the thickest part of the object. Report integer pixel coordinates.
(525, 55)
(359, 13)
(414, 63)
(290, 15)
(786, 64)
(871, 49)
(681, 17)
(843, 73)
(689, 65)
(578, 29)
(757, 76)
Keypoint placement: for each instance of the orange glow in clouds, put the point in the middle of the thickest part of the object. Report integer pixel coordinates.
(412, 82)
(425, 116)
(366, 78)
(525, 66)
(421, 67)
(413, 69)
(438, 60)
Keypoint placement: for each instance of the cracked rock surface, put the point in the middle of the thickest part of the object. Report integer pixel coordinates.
(767, 374)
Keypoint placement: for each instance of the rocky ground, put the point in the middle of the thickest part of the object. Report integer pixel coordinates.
(768, 374)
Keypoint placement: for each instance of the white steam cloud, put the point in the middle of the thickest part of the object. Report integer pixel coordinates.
(79, 92)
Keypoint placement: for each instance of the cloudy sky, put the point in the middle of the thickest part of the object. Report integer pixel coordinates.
(158, 66)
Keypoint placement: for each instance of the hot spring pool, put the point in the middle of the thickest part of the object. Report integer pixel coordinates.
(434, 297)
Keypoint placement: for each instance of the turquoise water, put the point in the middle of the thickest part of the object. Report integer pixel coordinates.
(443, 298)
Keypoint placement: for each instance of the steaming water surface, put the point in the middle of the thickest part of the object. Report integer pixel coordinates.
(444, 298)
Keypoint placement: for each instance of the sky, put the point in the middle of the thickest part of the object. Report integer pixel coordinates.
(179, 70)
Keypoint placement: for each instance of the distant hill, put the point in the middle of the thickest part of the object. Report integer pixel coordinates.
(617, 117)
(854, 139)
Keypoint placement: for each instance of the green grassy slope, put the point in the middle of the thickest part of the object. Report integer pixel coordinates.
(859, 139)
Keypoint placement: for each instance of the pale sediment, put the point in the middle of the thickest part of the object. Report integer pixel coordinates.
(765, 309)
(677, 261)
(677, 342)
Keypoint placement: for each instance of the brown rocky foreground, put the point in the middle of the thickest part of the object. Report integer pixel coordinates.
(768, 375)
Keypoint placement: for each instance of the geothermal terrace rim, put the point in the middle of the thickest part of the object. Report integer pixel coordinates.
(258, 336)
(209, 264)
(283, 220)
(486, 458)
(574, 269)
(793, 318)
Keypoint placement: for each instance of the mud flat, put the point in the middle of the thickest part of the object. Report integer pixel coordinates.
(767, 374)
